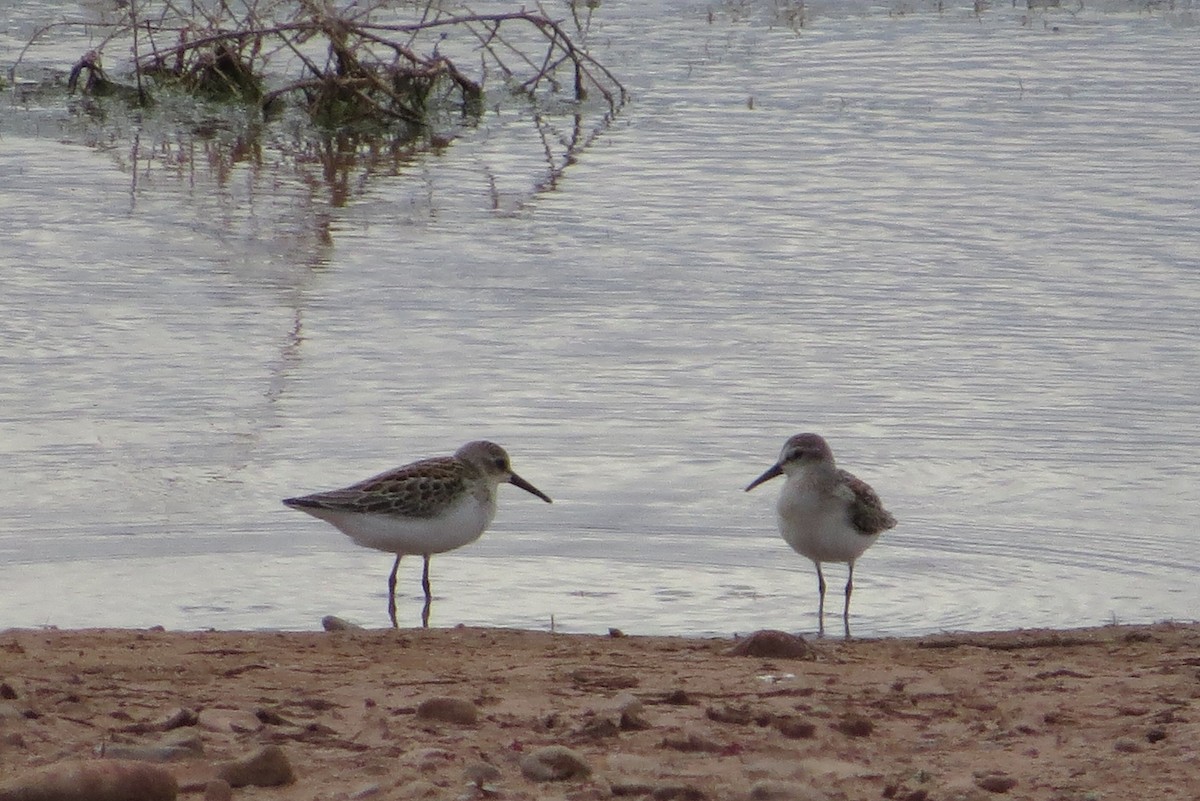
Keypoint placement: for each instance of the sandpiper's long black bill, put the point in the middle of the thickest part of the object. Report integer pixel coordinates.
(532, 490)
(304, 502)
(772, 471)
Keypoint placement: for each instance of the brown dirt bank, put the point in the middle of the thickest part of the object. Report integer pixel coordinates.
(1105, 713)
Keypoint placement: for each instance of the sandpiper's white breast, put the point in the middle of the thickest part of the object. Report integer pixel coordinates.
(457, 525)
(817, 523)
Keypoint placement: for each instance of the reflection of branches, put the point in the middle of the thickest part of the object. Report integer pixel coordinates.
(415, 82)
(561, 148)
(556, 164)
(574, 144)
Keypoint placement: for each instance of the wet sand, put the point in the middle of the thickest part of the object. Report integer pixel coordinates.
(1102, 713)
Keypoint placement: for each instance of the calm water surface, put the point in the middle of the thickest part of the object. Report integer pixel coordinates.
(964, 248)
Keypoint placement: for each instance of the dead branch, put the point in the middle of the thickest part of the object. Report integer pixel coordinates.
(348, 67)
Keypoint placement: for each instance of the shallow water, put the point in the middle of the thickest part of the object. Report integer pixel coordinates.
(962, 247)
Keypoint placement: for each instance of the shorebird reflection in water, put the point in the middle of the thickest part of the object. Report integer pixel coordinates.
(825, 513)
(427, 507)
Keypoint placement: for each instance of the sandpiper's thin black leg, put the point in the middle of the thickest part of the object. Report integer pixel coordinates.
(846, 608)
(428, 594)
(392, 593)
(821, 603)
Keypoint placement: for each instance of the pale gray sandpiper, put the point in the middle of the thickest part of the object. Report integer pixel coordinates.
(825, 513)
(427, 507)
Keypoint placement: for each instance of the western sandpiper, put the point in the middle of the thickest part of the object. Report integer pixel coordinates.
(427, 507)
(824, 512)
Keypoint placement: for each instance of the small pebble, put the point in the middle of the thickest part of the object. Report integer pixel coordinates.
(677, 697)
(691, 743)
(554, 763)
(795, 728)
(854, 726)
(266, 767)
(739, 714)
(598, 729)
(448, 710)
(772, 644)
(218, 790)
(629, 708)
(996, 783)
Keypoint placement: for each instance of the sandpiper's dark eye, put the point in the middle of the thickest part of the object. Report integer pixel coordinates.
(501, 464)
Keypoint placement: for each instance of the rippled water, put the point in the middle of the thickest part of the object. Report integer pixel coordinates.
(963, 247)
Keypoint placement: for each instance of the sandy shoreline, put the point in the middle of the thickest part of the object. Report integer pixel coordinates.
(1109, 712)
